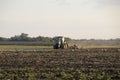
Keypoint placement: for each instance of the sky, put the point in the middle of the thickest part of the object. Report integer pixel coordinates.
(77, 19)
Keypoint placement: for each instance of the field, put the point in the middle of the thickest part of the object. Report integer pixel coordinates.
(22, 47)
(45, 63)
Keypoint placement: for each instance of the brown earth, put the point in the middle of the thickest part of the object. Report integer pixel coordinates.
(51, 61)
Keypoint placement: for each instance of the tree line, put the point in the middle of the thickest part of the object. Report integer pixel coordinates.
(25, 37)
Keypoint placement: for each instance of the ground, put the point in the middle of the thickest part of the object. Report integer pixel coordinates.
(69, 64)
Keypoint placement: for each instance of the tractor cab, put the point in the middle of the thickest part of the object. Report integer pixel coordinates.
(60, 43)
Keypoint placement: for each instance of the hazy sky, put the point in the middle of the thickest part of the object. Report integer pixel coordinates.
(71, 18)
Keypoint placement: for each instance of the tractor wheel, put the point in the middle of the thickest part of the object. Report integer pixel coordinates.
(56, 46)
(64, 46)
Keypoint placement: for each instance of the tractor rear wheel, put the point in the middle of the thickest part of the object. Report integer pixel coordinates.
(64, 46)
(55, 46)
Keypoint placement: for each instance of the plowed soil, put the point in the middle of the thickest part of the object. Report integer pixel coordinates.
(69, 64)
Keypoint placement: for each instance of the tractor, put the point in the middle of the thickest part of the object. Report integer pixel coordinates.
(60, 43)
